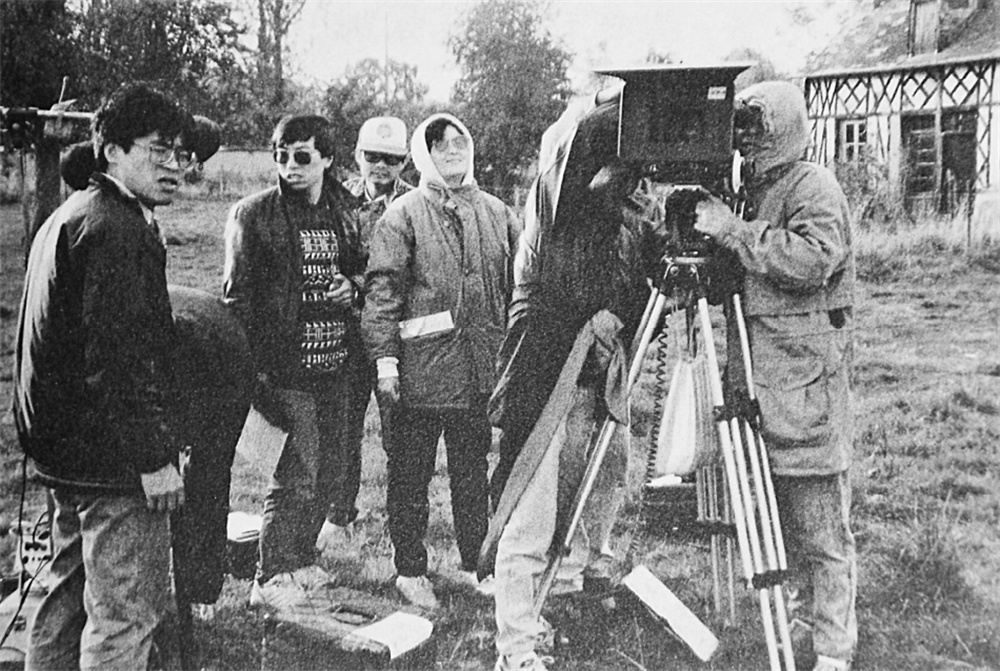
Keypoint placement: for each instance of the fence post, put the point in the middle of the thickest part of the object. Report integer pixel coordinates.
(41, 191)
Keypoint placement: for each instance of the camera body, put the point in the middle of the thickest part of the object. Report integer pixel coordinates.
(676, 126)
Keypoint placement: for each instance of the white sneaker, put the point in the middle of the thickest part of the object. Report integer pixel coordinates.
(204, 612)
(487, 587)
(529, 661)
(418, 591)
(334, 538)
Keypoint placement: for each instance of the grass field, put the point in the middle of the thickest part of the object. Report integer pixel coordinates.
(926, 481)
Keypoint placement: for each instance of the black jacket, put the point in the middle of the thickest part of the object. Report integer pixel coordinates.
(263, 273)
(93, 345)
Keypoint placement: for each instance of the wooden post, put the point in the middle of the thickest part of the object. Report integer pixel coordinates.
(41, 191)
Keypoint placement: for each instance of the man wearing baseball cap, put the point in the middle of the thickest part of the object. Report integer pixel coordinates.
(380, 154)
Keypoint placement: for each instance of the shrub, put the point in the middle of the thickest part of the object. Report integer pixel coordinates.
(873, 200)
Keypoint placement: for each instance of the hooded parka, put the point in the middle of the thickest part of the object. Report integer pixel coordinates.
(798, 290)
(440, 253)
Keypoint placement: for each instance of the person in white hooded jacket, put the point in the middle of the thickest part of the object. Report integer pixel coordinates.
(440, 277)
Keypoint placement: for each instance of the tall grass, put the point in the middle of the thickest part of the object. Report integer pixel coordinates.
(936, 245)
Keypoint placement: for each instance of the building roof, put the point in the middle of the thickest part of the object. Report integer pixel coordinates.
(878, 41)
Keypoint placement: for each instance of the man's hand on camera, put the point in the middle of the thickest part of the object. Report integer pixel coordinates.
(388, 389)
(714, 218)
(164, 489)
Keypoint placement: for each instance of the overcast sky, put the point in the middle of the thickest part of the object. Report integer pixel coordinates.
(333, 34)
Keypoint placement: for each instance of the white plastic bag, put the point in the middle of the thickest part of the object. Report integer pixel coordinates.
(687, 438)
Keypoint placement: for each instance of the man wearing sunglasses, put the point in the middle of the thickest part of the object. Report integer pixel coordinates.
(294, 275)
(92, 381)
(380, 153)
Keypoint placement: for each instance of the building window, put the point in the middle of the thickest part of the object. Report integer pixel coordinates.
(852, 137)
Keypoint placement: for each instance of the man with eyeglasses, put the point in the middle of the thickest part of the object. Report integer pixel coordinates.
(380, 154)
(92, 378)
(294, 275)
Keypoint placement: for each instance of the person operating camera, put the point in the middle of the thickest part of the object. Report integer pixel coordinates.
(798, 292)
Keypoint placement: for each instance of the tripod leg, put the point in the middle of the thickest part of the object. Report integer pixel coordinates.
(725, 439)
(764, 490)
(742, 502)
(755, 514)
(727, 517)
(713, 516)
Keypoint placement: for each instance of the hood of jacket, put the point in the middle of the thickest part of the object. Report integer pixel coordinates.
(422, 161)
(786, 123)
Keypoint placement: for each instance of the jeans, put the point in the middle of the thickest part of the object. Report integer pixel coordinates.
(314, 470)
(410, 437)
(347, 471)
(822, 561)
(522, 553)
(110, 585)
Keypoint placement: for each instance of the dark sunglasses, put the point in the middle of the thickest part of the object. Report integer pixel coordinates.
(301, 156)
(389, 159)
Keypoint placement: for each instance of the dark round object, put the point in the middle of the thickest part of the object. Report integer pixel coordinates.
(77, 164)
(203, 139)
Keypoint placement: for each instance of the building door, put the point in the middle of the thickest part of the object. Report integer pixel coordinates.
(919, 163)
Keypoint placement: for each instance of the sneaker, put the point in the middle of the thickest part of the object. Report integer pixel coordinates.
(204, 612)
(562, 586)
(290, 590)
(487, 587)
(334, 538)
(418, 591)
(546, 641)
(824, 663)
(529, 661)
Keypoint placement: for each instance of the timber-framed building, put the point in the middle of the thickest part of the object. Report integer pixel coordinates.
(913, 85)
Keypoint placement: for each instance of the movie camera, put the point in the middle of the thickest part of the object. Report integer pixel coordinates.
(676, 126)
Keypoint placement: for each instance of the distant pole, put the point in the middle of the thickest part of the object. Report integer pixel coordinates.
(385, 23)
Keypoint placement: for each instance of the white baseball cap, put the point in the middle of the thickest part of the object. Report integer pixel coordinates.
(386, 134)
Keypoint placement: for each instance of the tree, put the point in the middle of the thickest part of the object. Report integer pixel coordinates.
(763, 69)
(180, 46)
(274, 19)
(654, 57)
(36, 52)
(513, 85)
(370, 88)
(190, 49)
